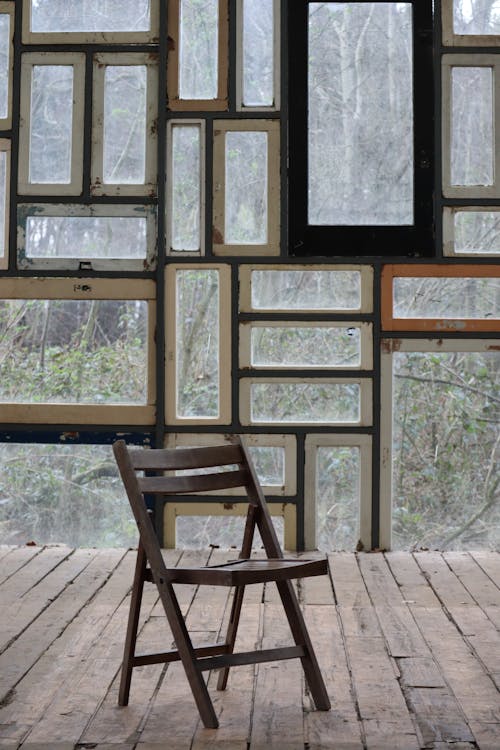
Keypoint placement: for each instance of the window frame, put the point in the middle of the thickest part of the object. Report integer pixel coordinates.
(449, 213)
(8, 8)
(340, 240)
(240, 69)
(451, 39)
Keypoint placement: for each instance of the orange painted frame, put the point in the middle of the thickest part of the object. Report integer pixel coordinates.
(194, 105)
(434, 325)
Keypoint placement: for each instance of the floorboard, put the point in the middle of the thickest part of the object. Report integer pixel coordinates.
(408, 643)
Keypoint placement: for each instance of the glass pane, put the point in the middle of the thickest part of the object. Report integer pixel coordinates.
(476, 17)
(197, 339)
(186, 187)
(91, 15)
(477, 232)
(51, 124)
(3, 202)
(258, 55)
(246, 189)
(198, 55)
(85, 237)
(472, 141)
(305, 402)
(4, 63)
(125, 124)
(446, 298)
(69, 351)
(306, 290)
(360, 142)
(270, 464)
(195, 532)
(337, 498)
(445, 450)
(70, 494)
(305, 346)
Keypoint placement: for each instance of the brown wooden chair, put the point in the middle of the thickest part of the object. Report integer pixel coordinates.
(150, 566)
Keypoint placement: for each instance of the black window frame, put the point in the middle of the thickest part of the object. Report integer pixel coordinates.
(416, 240)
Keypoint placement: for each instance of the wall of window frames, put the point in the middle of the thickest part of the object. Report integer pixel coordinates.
(209, 228)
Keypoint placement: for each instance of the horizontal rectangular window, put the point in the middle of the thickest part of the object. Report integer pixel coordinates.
(305, 345)
(6, 36)
(471, 160)
(470, 22)
(51, 133)
(473, 231)
(199, 525)
(292, 288)
(338, 492)
(83, 478)
(76, 356)
(185, 187)
(124, 124)
(441, 298)
(197, 55)
(246, 187)
(4, 201)
(305, 401)
(129, 21)
(258, 55)
(274, 457)
(198, 344)
(97, 237)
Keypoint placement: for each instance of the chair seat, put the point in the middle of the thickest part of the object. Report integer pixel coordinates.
(245, 572)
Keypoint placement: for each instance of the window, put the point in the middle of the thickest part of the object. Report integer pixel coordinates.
(361, 133)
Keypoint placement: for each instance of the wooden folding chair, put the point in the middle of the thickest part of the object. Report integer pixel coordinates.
(151, 567)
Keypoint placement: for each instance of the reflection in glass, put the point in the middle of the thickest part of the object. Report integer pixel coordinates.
(447, 298)
(360, 109)
(198, 54)
(85, 237)
(472, 140)
(246, 188)
(186, 188)
(51, 120)
(313, 403)
(125, 124)
(258, 53)
(337, 497)
(306, 290)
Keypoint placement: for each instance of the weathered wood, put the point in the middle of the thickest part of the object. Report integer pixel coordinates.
(31, 573)
(14, 561)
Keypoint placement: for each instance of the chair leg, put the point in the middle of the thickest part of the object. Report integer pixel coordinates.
(187, 655)
(301, 636)
(232, 630)
(133, 624)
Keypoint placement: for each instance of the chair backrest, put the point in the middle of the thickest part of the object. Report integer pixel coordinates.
(133, 460)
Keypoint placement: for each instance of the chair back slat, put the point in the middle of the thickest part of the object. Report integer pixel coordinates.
(192, 483)
(184, 458)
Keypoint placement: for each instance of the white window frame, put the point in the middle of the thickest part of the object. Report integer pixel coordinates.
(95, 264)
(240, 107)
(365, 401)
(169, 188)
(92, 37)
(449, 62)
(87, 289)
(100, 62)
(463, 40)
(28, 61)
(449, 213)
(366, 344)
(366, 284)
(224, 416)
(364, 443)
(287, 442)
(5, 146)
(407, 345)
(7, 8)
(221, 128)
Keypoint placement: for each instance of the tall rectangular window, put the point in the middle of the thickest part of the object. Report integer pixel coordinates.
(185, 186)
(257, 59)
(472, 143)
(4, 201)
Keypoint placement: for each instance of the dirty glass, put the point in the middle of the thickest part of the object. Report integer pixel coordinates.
(306, 290)
(3, 202)
(246, 188)
(313, 403)
(195, 532)
(472, 140)
(337, 497)
(92, 15)
(186, 188)
(4, 63)
(198, 55)
(481, 17)
(477, 232)
(305, 346)
(258, 53)
(447, 298)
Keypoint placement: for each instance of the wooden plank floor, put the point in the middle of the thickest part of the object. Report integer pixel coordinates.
(409, 645)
